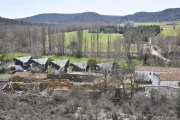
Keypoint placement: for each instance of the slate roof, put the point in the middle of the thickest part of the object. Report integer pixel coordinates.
(158, 69)
(108, 65)
(169, 77)
(60, 63)
(23, 59)
(41, 60)
(81, 65)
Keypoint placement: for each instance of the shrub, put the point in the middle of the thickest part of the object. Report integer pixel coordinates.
(149, 116)
(91, 63)
(58, 97)
(177, 106)
(114, 116)
(71, 105)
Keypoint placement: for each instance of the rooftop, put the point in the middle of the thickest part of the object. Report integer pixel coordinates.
(81, 65)
(158, 69)
(108, 65)
(30, 75)
(23, 59)
(60, 62)
(41, 60)
(169, 77)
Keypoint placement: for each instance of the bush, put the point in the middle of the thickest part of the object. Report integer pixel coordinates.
(177, 106)
(58, 97)
(114, 116)
(91, 63)
(71, 105)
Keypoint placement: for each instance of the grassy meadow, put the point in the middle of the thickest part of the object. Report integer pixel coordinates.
(121, 62)
(103, 39)
(171, 32)
(162, 24)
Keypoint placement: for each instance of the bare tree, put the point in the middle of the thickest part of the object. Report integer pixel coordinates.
(43, 37)
(49, 35)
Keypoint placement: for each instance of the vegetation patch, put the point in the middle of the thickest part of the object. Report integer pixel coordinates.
(171, 32)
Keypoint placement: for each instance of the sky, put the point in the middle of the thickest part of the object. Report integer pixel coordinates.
(25, 8)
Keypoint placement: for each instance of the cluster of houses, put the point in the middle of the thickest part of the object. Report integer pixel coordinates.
(148, 75)
(56, 67)
(158, 76)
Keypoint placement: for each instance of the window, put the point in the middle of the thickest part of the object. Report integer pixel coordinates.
(25, 64)
(179, 84)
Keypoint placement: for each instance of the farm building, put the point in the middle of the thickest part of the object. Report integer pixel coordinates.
(59, 65)
(42, 62)
(22, 63)
(146, 73)
(80, 66)
(170, 80)
(109, 66)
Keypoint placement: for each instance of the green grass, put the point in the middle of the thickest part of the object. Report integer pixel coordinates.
(171, 32)
(10, 55)
(121, 62)
(162, 24)
(72, 59)
(103, 39)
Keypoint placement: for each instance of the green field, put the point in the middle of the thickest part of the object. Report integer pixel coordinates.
(171, 32)
(162, 24)
(103, 39)
(10, 55)
(74, 59)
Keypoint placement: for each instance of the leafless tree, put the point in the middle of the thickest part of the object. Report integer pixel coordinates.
(43, 38)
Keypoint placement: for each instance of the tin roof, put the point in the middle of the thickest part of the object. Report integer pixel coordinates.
(81, 65)
(41, 60)
(60, 63)
(23, 59)
(108, 65)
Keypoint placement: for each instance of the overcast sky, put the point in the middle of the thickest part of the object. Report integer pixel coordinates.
(25, 8)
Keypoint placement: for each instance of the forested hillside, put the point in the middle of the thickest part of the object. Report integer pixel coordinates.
(69, 18)
(6, 21)
(165, 15)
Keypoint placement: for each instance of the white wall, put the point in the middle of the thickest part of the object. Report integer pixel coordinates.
(19, 68)
(155, 81)
(149, 76)
(170, 83)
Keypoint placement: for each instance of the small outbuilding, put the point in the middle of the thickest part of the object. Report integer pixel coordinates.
(60, 64)
(22, 63)
(80, 66)
(109, 66)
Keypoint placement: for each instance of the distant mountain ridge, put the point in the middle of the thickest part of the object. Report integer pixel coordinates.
(172, 14)
(6, 21)
(54, 18)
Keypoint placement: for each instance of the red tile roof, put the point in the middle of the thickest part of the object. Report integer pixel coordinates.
(169, 77)
(157, 69)
(31, 75)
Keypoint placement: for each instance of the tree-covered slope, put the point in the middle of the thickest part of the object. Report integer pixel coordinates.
(6, 21)
(172, 14)
(54, 18)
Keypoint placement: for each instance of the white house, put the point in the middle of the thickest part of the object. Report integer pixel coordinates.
(171, 80)
(146, 73)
